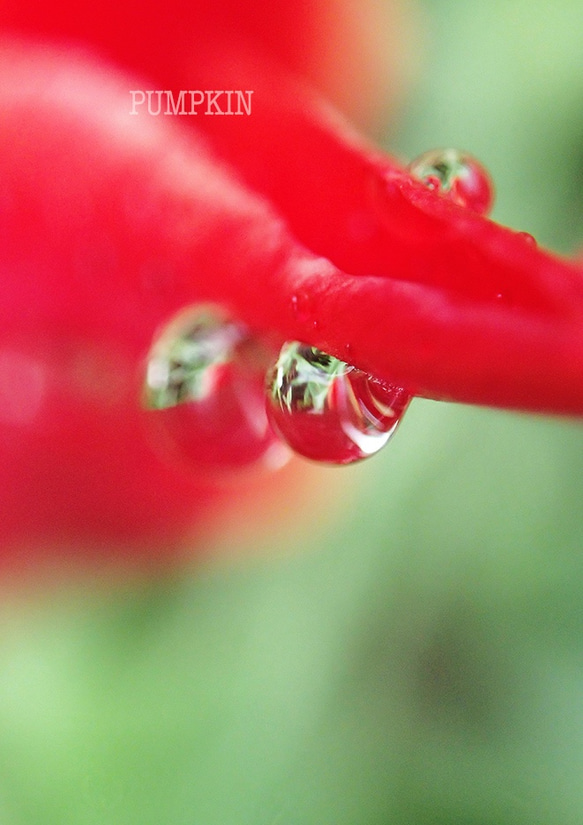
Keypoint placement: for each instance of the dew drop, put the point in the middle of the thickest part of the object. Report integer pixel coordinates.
(301, 306)
(527, 238)
(205, 389)
(456, 175)
(328, 410)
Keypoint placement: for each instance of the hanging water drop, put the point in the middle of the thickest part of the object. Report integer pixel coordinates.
(456, 175)
(328, 410)
(205, 389)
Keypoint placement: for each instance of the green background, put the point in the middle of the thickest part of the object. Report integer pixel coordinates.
(420, 659)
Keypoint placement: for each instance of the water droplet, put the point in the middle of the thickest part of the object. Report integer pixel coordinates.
(301, 306)
(527, 238)
(205, 388)
(456, 175)
(328, 410)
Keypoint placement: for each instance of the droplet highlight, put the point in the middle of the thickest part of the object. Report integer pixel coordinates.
(457, 176)
(204, 388)
(328, 410)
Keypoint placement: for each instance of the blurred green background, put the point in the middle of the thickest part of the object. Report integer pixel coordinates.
(420, 658)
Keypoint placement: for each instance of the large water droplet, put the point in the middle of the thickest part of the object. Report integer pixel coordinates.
(456, 175)
(205, 387)
(326, 409)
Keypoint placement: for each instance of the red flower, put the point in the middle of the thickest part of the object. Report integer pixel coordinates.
(295, 225)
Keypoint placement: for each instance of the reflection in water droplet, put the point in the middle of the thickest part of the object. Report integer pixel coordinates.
(205, 386)
(456, 175)
(326, 409)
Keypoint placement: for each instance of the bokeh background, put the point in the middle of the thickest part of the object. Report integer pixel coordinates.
(413, 653)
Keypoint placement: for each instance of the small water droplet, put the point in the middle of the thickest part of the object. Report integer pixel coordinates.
(456, 175)
(205, 388)
(527, 238)
(328, 410)
(301, 306)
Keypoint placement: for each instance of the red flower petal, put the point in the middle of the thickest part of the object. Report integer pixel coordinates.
(110, 224)
(446, 302)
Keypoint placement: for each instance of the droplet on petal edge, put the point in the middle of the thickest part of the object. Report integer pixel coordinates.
(204, 390)
(457, 176)
(527, 238)
(328, 410)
